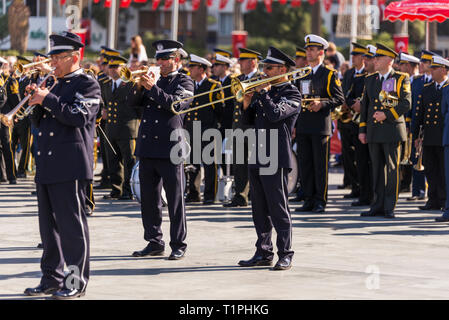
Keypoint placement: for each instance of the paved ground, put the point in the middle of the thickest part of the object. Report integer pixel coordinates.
(338, 255)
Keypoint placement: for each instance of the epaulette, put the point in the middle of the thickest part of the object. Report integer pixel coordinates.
(447, 84)
(233, 76)
(360, 75)
(428, 84)
(213, 81)
(106, 80)
(371, 74)
(331, 69)
(401, 73)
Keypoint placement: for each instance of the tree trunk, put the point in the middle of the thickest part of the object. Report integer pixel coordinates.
(316, 21)
(199, 21)
(18, 25)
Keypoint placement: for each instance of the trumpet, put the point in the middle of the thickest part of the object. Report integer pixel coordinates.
(21, 110)
(19, 69)
(407, 151)
(342, 113)
(127, 75)
(387, 99)
(240, 88)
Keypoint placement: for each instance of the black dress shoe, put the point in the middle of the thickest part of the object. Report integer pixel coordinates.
(67, 294)
(297, 199)
(256, 261)
(342, 186)
(412, 198)
(443, 218)
(318, 208)
(307, 206)
(359, 203)
(177, 254)
(191, 199)
(103, 186)
(235, 203)
(372, 213)
(428, 206)
(39, 246)
(33, 193)
(41, 290)
(13, 181)
(284, 263)
(389, 214)
(111, 196)
(149, 250)
(206, 202)
(21, 175)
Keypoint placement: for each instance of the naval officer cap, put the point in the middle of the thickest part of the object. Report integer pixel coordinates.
(407, 58)
(219, 59)
(23, 60)
(426, 56)
(116, 61)
(357, 49)
(166, 48)
(384, 51)
(438, 61)
(65, 41)
(370, 51)
(108, 51)
(245, 53)
(183, 53)
(276, 56)
(300, 52)
(38, 54)
(312, 40)
(198, 61)
(222, 52)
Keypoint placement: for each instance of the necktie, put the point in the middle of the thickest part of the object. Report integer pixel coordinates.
(114, 86)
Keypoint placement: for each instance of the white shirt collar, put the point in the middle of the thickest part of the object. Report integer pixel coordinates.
(314, 69)
(441, 83)
(199, 83)
(224, 78)
(359, 70)
(250, 75)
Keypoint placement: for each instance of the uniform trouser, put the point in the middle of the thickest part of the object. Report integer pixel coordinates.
(269, 201)
(3, 175)
(385, 162)
(418, 177)
(313, 165)
(240, 170)
(433, 161)
(8, 154)
(348, 153)
(22, 134)
(121, 165)
(364, 171)
(446, 174)
(153, 174)
(104, 155)
(210, 181)
(64, 233)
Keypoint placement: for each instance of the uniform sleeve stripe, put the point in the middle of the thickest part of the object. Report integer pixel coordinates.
(329, 83)
(394, 113)
(362, 124)
(399, 85)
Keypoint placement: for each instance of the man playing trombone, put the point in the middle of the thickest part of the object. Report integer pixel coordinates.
(274, 107)
(65, 118)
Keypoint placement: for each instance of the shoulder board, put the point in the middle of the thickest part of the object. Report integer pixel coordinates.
(399, 73)
(234, 75)
(106, 80)
(360, 75)
(213, 81)
(331, 69)
(371, 74)
(428, 84)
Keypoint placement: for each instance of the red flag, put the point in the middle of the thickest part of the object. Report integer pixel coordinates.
(140, 1)
(95, 1)
(312, 1)
(62, 2)
(209, 3)
(155, 4)
(125, 3)
(296, 3)
(241, 1)
(182, 1)
(283, 1)
(223, 4)
(268, 5)
(327, 5)
(168, 4)
(196, 4)
(251, 4)
(107, 3)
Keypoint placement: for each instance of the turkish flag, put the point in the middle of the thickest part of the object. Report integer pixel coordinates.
(196, 4)
(312, 1)
(168, 4)
(62, 2)
(282, 1)
(182, 1)
(107, 3)
(268, 5)
(327, 5)
(223, 4)
(140, 1)
(125, 3)
(155, 4)
(210, 2)
(295, 3)
(251, 4)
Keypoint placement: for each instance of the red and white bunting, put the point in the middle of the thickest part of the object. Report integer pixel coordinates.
(268, 5)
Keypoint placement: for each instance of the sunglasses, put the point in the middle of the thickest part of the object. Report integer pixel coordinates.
(271, 67)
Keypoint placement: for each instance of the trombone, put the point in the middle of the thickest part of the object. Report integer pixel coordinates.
(19, 69)
(127, 75)
(21, 110)
(240, 88)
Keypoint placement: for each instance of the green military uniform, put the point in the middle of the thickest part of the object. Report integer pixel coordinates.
(121, 104)
(209, 118)
(384, 137)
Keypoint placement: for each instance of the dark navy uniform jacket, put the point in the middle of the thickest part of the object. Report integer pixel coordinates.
(445, 111)
(66, 123)
(276, 109)
(158, 121)
(417, 85)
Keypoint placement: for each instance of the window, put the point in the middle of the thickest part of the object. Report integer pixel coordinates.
(226, 23)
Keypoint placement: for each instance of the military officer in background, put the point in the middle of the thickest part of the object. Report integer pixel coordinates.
(382, 126)
(300, 58)
(154, 149)
(248, 60)
(429, 119)
(408, 64)
(209, 118)
(223, 53)
(121, 106)
(419, 185)
(64, 166)
(11, 86)
(274, 106)
(353, 84)
(314, 126)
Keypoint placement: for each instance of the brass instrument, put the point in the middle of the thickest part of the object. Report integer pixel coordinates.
(388, 100)
(21, 110)
(240, 88)
(419, 151)
(342, 113)
(19, 69)
(90, 71)
(127, 75)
